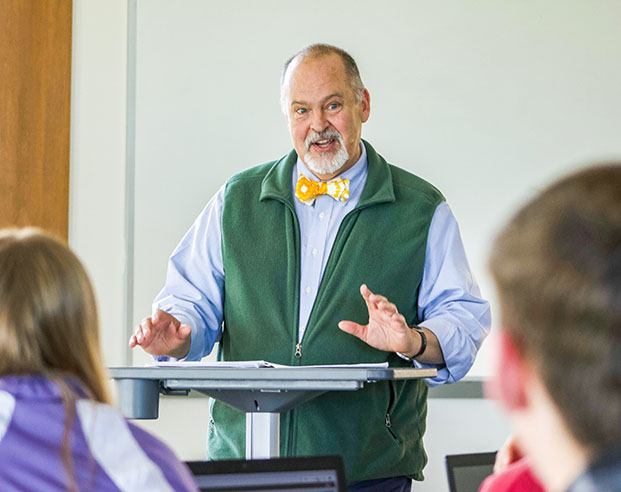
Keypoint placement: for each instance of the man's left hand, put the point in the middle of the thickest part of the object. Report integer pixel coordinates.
(387, 329)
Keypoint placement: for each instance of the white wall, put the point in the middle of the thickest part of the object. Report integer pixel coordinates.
(487, 100)
(457, 426)
(98, 146)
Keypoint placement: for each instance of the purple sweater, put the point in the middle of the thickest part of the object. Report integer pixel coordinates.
(108, 453)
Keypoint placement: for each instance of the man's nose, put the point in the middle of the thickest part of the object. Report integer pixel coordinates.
(319, 121)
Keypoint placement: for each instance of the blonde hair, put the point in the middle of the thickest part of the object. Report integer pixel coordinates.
(48, 315)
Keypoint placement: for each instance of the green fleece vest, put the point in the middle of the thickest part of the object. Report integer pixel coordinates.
(377, 430)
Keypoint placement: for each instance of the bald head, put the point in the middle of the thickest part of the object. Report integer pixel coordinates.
(316, 51)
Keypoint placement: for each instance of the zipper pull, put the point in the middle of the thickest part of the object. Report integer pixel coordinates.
(388, 420)
(298, 350)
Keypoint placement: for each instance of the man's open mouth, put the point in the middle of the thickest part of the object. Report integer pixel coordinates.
(324, 143)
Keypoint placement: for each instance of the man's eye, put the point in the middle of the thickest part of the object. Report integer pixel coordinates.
(333, 106)
(300, 110)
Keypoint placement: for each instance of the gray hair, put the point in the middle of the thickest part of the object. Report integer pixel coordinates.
(316, 51)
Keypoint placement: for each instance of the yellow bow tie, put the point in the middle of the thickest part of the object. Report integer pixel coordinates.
(307, 190)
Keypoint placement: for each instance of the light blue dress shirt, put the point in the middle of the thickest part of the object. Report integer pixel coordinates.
(449, 300)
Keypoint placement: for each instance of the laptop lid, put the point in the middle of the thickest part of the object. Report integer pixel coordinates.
(466, 472)
(308, 474)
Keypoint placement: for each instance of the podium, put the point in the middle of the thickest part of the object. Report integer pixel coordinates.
(260, 392)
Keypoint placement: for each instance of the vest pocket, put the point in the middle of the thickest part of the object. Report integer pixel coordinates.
(391, 404)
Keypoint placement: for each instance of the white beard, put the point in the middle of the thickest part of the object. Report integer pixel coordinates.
(328, 163)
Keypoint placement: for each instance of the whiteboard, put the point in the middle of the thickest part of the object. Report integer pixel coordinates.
(487, 100)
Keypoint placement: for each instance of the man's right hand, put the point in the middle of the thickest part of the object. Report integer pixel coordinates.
(162, 334)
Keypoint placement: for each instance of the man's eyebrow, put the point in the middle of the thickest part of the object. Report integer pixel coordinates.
(336, 94)
(304, 103)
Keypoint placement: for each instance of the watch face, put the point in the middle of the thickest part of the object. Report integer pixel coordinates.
(404, 357)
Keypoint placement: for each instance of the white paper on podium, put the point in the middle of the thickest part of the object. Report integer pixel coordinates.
(256, 364)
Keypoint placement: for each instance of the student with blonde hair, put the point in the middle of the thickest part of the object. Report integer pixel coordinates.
(57, 429)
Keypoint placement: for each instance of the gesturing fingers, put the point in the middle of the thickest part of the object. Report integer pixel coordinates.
(366, 295)
(142, 333)
(136, 338)
(373, 301)
(352, 328)
(387, 307)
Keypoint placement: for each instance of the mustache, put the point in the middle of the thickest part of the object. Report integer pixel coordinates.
(327, 133)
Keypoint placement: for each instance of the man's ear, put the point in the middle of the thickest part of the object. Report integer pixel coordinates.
(512, 374)
(365, 106)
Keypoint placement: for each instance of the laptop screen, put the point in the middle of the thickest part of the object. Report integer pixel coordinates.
(467, 471)
(308, 474)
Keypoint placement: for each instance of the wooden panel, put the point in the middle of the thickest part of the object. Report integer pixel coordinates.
(35, 86)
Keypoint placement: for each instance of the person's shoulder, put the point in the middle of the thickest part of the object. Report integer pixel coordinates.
(403, 177)
(257, 172)
(410, 182)
(402, 180)
(29, 387)
(157, 450)
(146, 452)
(604, 474)
(176, 472)
(248, 182)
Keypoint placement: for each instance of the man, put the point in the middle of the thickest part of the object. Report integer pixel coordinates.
(296, 264)
(557, 265)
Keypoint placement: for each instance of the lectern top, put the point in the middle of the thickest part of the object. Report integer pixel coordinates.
(301, 373)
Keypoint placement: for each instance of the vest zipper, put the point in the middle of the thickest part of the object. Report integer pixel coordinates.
(329, 264)
(389, 428)
(292, 412)
(391, 403)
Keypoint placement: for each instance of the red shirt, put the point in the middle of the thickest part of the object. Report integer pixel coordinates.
(518, 477)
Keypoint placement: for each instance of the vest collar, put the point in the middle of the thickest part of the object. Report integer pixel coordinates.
(277, 182)
(377, 189)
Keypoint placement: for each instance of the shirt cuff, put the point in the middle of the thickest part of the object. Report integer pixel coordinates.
(458, 350)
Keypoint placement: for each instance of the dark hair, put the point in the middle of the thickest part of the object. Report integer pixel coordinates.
(557, 265)
(318, 50)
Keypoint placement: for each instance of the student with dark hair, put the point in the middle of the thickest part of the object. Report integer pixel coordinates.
(557, 266)
(57, 429)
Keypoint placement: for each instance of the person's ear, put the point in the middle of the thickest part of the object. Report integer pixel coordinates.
(511, 375)
(365, 106)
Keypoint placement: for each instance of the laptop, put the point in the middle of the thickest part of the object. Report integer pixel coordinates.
(308, 474)
(466, 472)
